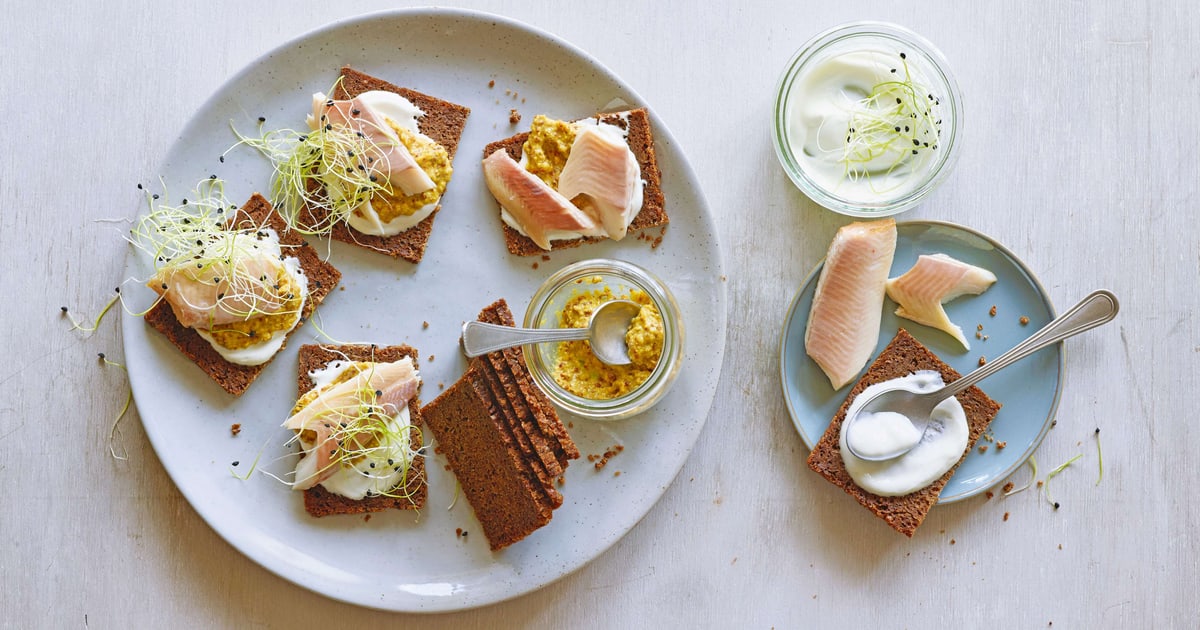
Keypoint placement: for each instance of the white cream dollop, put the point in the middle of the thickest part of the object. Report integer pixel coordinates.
(939, 449)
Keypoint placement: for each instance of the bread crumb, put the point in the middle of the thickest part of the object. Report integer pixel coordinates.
(430, 359)
(562, 480)
(979, 327)
(985, 337)
(492, 83)
(978, 335)
(952, 541)
(1024, 320)
(367, 518)
(535, 265)
(1001, 444)
(342, 288)
(507, 92)
(616, 473)
(570, 424)
(989, 494)
(992, 312)
(424, 325)
(514, 116)
(1006, 517)
(1060, 546)
(545, 257)
(1009, 486)
(983, 448)
(235, 428)
(982, 360)
(1039, 484)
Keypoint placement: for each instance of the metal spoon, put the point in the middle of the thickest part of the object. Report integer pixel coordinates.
(605, 332)
(1098, 308)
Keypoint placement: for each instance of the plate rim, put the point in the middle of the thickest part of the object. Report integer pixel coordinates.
(793, 414)
(685, 171)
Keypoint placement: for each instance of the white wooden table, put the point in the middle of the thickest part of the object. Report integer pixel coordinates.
(1080, 154)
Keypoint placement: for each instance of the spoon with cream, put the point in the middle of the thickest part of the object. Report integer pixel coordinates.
(893, 421)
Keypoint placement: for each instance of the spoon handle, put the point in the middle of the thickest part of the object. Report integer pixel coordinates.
(1098, 308)
(481, 338)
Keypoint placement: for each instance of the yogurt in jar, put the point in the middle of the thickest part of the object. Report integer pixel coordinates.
(864, 122)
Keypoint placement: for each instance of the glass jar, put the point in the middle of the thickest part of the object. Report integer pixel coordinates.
(621, 278)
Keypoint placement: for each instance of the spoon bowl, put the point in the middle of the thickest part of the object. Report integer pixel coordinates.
(605, 333)
(1098, 308)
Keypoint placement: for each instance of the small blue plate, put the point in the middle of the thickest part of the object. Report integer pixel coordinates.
(1029, 391)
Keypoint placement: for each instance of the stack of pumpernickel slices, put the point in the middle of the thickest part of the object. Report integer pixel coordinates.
(503, 440)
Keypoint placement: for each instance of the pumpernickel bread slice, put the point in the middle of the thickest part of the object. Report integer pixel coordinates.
(443, 122)
(320, 502)
(491, 471)
(322, 278)
(641, 142)
(903, 356)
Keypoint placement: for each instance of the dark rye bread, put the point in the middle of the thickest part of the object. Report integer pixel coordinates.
(537, 414)
(508, 506)
(903, 356)
(530, 466)
(317, 500)
(322, 277)
(641, 142)
(443, 122)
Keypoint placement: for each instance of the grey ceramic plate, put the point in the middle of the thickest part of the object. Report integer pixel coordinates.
(1029, 391)
(401, 561)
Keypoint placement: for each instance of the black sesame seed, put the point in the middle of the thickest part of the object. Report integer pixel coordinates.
(101, 355)
(262, 119)
(221, 159)
(185, 202)
(64, 309)
(236, 463)
(164, 286)
(1056, 505)
(1097, 428)
(916, 142)
(213, 176)
(914, 151)
(117, 289)
(355, 112)
(154, 196)
(893, 71)
(378, 393)
(898, 101)
(328, 127)
(897, 129)
(139, 186)
(329, 103)
(390, 462)
(372, 464)
(903, 56)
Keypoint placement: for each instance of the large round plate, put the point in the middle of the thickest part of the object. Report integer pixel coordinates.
(397, 560)
(1029, 391)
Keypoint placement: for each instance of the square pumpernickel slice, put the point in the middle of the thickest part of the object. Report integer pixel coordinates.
(320, 502)
(322, 278)
(641, 142)
(443, 122)
(903, 356)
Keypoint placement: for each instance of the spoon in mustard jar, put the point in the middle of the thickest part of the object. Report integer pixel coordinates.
(605, 333)
(1094, 310)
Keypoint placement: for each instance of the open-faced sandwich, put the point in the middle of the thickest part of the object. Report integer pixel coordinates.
(901, 491)
(372, 166)
(232, 286)
(563, 183)
(358, 424)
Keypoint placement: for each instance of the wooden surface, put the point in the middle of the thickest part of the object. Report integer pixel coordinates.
(1080, 154)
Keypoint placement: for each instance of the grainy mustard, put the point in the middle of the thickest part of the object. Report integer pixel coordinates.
(546, 149)
(433, 159)
(576, 368)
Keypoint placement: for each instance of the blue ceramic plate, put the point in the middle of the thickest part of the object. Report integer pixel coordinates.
(1029, 390)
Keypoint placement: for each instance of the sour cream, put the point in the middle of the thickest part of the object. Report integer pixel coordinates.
(937, 451)
(863, 124)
